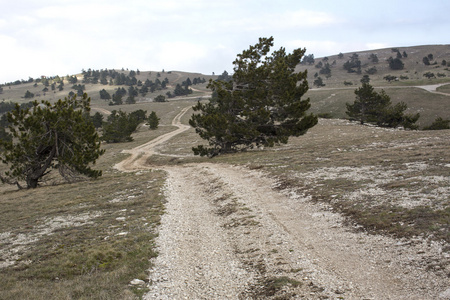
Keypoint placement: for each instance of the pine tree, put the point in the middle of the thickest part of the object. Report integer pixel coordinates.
(59, 136)
(153, 120)
(261, 105)
(376, 108)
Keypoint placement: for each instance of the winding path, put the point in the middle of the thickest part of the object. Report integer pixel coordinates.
(139, 155)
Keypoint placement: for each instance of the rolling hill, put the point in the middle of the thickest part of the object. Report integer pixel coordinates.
(409, 84)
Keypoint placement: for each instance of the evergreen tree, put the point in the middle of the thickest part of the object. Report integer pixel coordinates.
(261, 105)
(28, 94)
(153, 121)
(119, 126)
(97, 120)
(104, 95)
(46, 137)
(395, 63)
(439, 124)
(376, 108)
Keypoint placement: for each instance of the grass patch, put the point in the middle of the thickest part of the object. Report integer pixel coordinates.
(77, 241)
(359, 171)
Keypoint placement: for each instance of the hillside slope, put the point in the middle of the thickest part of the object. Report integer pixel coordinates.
(331, 98)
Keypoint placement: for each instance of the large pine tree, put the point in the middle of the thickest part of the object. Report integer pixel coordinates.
(260, 105)
(59, 136)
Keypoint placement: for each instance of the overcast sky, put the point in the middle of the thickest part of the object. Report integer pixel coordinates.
(50, 37)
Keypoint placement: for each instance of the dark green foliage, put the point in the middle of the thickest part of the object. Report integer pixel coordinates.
(395, 63)
(182, 91)
(365, 79)
(4, 136)
(371, 71)
(261, 105)
(160, 98)
(373, 58)
(46, 137)
(439, 124)
(318, 82)
(353, 65)
(28, 94)
(153, 121)
(139, 115)
(389, 78)
(104, 95)
(119, 126)
(326, 70)
(426, 61)
(97, 120)
(308, 59)
(376, 108)
(429, 75)
(224, 77)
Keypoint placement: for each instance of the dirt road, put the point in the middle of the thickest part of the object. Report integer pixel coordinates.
(229, 233)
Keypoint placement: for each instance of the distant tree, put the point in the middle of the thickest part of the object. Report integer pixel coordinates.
(444, 62)
(116, 99)
(319, 65)
(376, 108)
(438, 124)
(97, 120)
(319, 82)
(365, 79)
(28, 95)
(119, 126)
(373, 58)
(429, 75)
(224, 76)
(426, 61)
(340, 55)
(430, 57)
(308, 59)
(139, 115)
(390, 78)
(405, 55)
(395, 63)
(130, 100)
(72, 79)
(371, 71)
(46, 137)
(153, 121)
(326, 70)
(261, 105)
(104, 95)
(348, 83)
(160, 98)
(353, 65)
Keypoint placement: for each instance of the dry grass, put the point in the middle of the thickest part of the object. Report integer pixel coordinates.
(85, 240)
(390, 181)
